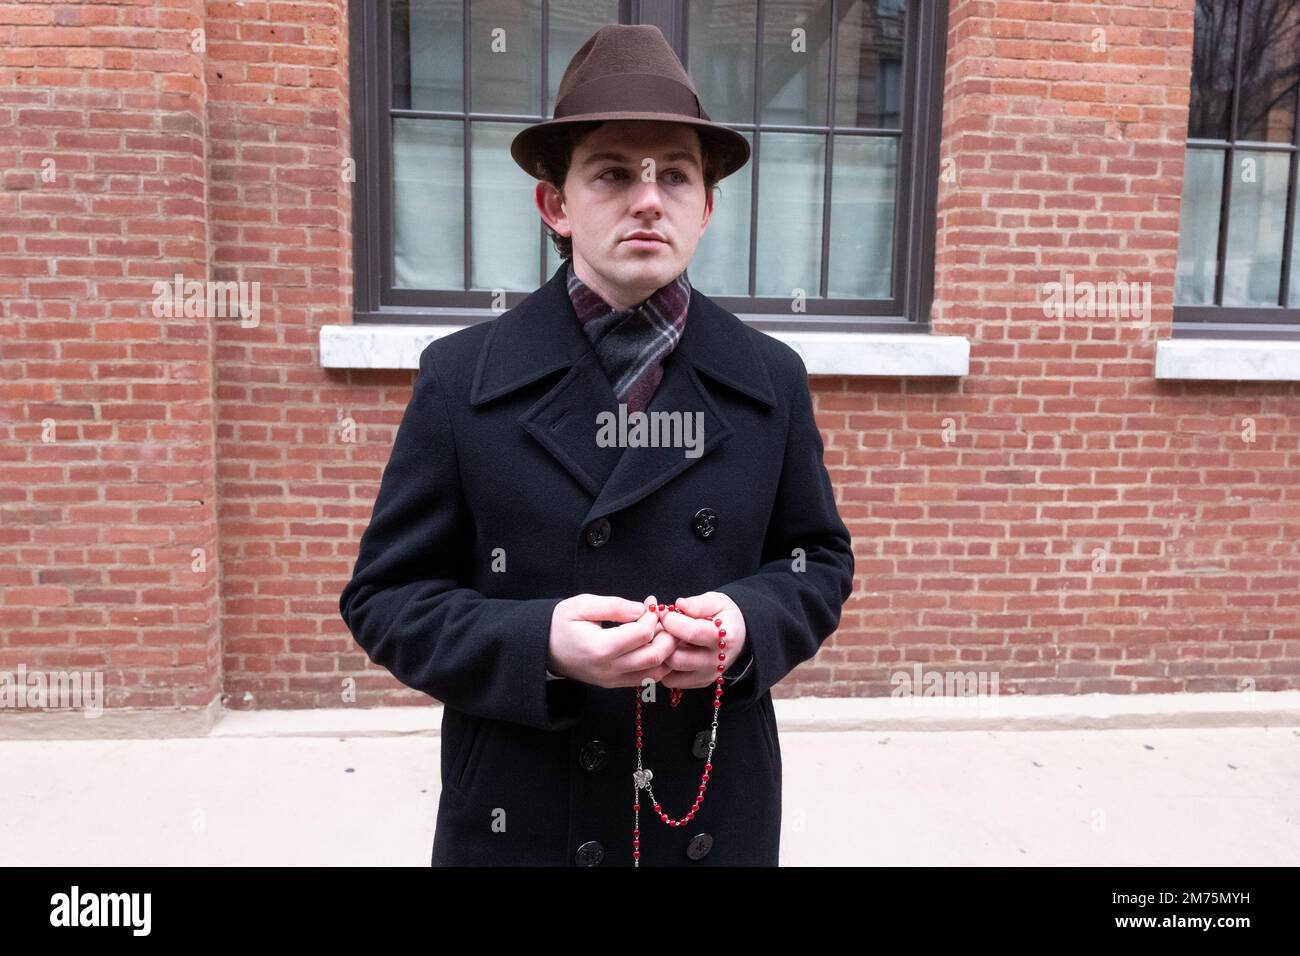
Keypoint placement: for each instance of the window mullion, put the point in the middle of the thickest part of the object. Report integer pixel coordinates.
(754, 171)
(1288, 232)
(1230, 165)
(543, 112)
(824, 286)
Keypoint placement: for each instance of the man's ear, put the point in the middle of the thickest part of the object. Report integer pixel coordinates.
(550, 204)
(708, 210)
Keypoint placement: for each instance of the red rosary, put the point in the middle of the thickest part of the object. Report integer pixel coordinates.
(642, 776)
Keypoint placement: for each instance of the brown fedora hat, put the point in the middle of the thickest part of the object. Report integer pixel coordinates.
(629, 72)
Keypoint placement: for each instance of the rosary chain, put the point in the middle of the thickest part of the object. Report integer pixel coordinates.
(642, 776)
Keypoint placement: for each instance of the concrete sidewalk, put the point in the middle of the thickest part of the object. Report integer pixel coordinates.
(1184, 780)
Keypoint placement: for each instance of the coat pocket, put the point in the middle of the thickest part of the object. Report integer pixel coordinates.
(468, 753)
(767, 718)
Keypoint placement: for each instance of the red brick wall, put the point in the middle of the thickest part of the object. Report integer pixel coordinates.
(1058, 516)
(108, 479)
(1086, 527)
(280, 214)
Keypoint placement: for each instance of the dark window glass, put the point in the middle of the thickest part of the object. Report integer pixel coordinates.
(1213, 59)
(1270, 61)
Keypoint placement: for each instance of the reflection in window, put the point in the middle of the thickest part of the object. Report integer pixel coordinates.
(801, 111)
(840, 183)
(434, 184)
(1238, 206)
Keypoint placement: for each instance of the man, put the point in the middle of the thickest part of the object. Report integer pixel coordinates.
(511, 541)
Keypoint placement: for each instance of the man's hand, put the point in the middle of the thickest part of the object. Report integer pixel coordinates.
(695, 661)
(627, 655)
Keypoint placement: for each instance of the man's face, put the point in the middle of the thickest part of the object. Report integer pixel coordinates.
(627, 178)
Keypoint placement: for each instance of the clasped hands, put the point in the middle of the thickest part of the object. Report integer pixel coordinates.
(677, 650)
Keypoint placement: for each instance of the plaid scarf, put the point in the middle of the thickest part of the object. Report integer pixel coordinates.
(632, 344)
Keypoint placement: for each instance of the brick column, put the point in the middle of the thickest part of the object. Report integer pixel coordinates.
(108, 554)
(280, 209)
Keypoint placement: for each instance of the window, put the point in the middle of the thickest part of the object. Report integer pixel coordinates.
(1237, 268)
(840, 101)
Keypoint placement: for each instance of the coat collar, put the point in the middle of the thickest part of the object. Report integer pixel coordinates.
(542, 335)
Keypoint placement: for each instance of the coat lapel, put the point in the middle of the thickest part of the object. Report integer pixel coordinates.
(542, 335)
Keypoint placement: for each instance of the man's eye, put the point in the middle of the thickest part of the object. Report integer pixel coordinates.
(681, 177)
(616, 172)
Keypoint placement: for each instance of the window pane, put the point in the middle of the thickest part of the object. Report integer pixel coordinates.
(506, 56)
(869, 64)
(1212, 58)
(790, 213)
(1256, 217)
(572, 22)
(426, 48)
(721, 263)
(796, 53)
(428, 215)
(1269, 65)
(720, 57)
(504, 222)
(864, 171)
(1293, 291)
(1198, 227)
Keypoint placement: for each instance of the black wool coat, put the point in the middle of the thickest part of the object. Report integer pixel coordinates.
(498, 501)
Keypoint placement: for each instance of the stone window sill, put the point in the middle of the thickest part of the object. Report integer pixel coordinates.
(1230, 360)
(889, 354)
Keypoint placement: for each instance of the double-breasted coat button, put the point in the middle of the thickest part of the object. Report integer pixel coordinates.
(699, 846)
(700, 745)
(598, 532)
(705, 522)
(594, 755)
(589, 854)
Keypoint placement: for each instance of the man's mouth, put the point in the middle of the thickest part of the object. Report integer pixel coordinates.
(645, 242)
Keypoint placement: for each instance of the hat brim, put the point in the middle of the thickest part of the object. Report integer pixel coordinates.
(731, 148)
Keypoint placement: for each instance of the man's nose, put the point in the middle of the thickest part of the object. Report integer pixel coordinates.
(646, 196)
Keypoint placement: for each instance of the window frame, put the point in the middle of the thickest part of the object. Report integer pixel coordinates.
(915, 221)
(1242, 321)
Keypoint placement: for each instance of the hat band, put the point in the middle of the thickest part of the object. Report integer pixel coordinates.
(630, 93)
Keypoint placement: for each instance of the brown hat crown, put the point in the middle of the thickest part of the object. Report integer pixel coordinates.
(629, 71)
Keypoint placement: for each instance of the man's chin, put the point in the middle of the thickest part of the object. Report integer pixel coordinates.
(646, 264)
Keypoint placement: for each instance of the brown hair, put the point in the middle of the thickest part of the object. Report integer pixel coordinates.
(556, 152)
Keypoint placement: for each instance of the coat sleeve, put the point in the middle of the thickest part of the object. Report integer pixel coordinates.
(793, 602)
(405, 604)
